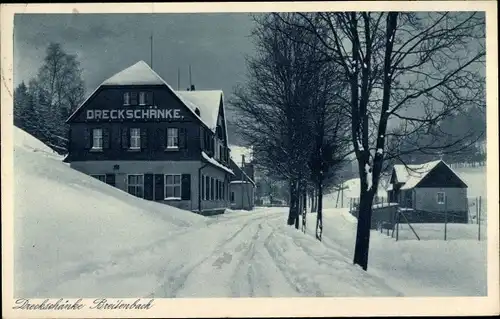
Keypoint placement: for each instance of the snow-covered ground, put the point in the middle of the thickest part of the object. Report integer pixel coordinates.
(429, 267)
(78, 237)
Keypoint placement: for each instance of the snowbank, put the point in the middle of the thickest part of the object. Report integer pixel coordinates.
(66, 221)
(429, 267)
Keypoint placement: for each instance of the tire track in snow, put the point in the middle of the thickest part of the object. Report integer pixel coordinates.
(300, 285)
(174, 281)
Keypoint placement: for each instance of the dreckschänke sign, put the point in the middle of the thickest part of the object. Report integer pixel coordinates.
(153, 114)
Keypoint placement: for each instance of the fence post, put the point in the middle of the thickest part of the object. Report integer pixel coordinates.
(397, 227)
(479, 220)
(445, 215)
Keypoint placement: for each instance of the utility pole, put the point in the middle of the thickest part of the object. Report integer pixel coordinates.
(178, 78)
(190, 82)
(151, 49)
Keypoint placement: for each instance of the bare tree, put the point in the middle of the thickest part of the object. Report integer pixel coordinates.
(59, 81)
(274, 104)
(413, 68)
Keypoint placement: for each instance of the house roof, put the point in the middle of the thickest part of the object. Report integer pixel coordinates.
(244, 176)
(142, 74)
(411, 175)
(137, 74)
(207, 101)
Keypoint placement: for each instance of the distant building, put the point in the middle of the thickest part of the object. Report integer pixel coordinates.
(432, 192)
(138, 134)
(242, 185)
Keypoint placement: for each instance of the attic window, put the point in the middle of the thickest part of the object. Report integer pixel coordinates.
(142, 98)
(126, 98)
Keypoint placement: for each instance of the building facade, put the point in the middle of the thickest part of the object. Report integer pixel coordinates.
(432, 192)
(136, 133)
(242, 185)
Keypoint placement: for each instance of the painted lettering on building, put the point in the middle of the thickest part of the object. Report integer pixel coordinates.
(138, 114)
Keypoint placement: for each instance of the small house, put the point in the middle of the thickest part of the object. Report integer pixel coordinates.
(431, 192)
(242, 186)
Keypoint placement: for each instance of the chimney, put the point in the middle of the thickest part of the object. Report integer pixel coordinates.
(197, 111)
(192, 87)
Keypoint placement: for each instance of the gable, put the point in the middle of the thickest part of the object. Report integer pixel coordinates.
(138, 75)
(441, 177)
(106, 104)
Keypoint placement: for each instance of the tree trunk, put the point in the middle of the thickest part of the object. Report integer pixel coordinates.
(319, 217)
(363, 230)
(298, 205)
(291, 220)
(294, 204)
(304, 210)
(315, 201)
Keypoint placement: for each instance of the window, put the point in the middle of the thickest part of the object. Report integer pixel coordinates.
(97, 139)
(126, 98)
(232, 197)
(142, 98)
(172, 138)
(136, 185)
(441, 197)
(135, 138)
(100, 177)
(133, 98)
(172, 186)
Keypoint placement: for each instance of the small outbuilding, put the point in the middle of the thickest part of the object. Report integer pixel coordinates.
(431, 192)
(242, 186)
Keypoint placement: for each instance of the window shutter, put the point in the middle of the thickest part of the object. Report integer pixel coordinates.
(159, 184)
(203, 187)
(160, 138)
(144, 138)
(106, 138)
(149, 98)
(110, 179)
(186, 187)
(212, 188)
(182, 137)
(88, 138)
(125, 138)
(148, 186)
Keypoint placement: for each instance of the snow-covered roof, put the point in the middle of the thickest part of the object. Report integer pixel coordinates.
(207, 101)
(411, 175)
(240, 182)
(212, 161)
(137, 74)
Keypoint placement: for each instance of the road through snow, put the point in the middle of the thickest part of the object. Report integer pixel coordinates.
(240, 254)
